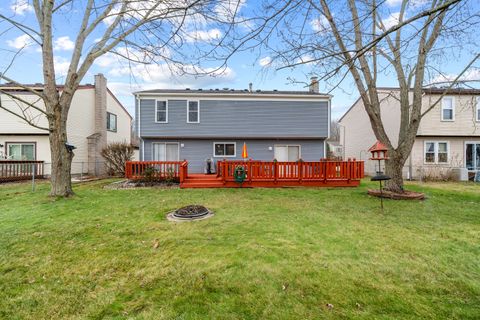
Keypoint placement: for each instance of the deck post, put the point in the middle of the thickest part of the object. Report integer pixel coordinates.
(224, 171)
(275, 170)
(325, 168)
(300, 171)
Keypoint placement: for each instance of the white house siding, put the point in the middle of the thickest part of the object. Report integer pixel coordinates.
(456, 157)
(356, 132)
(463, 125)
(41, 142)
(124, 122)
(12, 124)
(80, 125)
(357, 135)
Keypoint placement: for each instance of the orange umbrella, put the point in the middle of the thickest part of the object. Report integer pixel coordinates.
(244, 151)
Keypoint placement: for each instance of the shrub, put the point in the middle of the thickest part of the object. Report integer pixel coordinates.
(116, 155)
(437, 174)
(170, 178)
(149, 174)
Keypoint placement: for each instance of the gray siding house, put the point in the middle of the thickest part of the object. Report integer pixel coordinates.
(197, 125)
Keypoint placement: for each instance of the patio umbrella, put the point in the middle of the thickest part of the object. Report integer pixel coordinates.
(244, 151)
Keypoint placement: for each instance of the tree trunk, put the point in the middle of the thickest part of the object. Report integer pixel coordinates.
(394, 169)
(61, 180)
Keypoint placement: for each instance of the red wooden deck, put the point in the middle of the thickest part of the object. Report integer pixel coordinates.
(14, 170)
(265, 174)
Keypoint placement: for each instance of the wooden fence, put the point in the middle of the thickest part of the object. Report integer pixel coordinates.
(156, 170)
(293, 171)
(13, 170)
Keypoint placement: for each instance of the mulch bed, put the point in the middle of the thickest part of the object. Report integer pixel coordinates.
(130, 184)
(406, 195)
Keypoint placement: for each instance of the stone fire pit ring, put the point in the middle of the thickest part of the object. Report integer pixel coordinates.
(190, 213)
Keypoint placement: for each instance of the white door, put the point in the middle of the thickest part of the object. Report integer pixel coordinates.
(287, 153)
(165, 151)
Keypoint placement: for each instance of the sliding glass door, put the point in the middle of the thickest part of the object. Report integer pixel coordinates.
(472, 156)
(165, 151)
(287, 153)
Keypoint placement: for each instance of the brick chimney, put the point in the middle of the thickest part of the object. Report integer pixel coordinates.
(98, 140)
(313, 87)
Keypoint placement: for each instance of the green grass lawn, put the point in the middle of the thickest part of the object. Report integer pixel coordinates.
(266, 254)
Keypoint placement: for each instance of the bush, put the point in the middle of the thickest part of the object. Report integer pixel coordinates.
(116, 155)
(437, 174)
(149, 175)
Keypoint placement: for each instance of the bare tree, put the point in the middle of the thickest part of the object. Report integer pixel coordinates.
(334, 130)
(366, 41)
(141, 31)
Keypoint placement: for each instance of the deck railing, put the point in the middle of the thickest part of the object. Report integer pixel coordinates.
(292, 171)
(13, 170)
(158, 170)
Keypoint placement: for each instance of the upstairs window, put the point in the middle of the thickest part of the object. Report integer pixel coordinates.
(161, 112)
(111, 122)
(193, 112)
(448, 109)
(436, 152)
(224, 149)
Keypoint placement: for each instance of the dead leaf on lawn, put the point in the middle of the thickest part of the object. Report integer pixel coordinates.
(156, 244)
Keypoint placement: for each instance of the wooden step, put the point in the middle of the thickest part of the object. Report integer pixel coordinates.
(202, 184)
(203, 177)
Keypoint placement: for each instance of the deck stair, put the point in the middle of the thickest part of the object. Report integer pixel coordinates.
(198, 180)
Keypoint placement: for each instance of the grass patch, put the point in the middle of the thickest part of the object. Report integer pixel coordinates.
(266, 254)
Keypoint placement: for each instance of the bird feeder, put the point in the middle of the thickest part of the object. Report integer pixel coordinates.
(379, 153)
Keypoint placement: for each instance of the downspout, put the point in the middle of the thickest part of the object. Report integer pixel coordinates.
(142, 155)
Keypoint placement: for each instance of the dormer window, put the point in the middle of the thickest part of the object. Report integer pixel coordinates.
(448, 109)
(193, 112)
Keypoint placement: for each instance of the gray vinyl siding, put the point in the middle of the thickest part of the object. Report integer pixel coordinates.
(239, 118)
(197, 151)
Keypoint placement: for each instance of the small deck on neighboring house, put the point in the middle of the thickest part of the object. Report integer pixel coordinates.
(264, 174)
(16, 170)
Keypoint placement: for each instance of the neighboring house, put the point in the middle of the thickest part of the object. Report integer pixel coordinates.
(96, 118)
(197, 125)
(335, 149)
(447, 142)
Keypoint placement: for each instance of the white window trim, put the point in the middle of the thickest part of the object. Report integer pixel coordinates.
(167, 142)
(156, 110)
(292, 145)
(477, 110)
(225, 156)
(8, 144)
(116, 121)
(453, 109)
(435, 151)
(188, 111)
